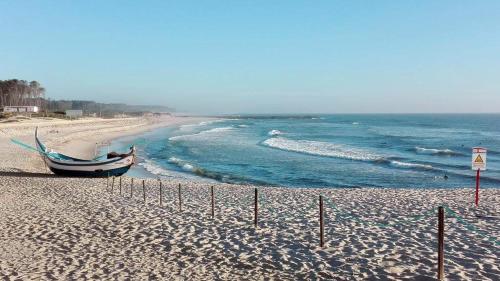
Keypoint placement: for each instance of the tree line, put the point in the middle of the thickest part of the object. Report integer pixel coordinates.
(15, 92)
(104, 109)
(21, 92)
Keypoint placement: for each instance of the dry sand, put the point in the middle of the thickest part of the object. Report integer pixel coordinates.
(54, 228)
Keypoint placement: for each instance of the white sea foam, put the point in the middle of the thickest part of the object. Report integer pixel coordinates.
(203, 123)
(154, 169)
(321, 149)
(188, 167)
(202, 133)
(355, 123)
(275, 133)
(182, 164)
(410, 165)
(424, 150)
(242, 126)
(188, 127)
(174, 160)
(217, 130)
(336, 151)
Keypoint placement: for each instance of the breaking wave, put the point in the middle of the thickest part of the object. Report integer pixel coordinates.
(155, 169)
(325, 149)
(435, 151)
(217, 130)
(321, 149)
(400, 164)
(202, 133)
(227, 178)
(187, 126)
(182, 164)
(203, 123)
(275, 133)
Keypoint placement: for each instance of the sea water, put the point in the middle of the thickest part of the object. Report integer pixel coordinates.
(327, 150)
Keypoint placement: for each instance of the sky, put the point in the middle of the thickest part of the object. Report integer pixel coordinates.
(215, 57)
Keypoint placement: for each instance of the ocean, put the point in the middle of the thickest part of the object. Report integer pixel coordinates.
(355, 150)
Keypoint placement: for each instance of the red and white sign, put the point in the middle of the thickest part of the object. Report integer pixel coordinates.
(478, 158)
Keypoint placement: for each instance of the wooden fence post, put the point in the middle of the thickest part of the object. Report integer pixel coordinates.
(321, 224)
(256, 208)
(107, 183)
(440, 243)
(120, 185)
(113, 185)
(131, 186)
(213, 202)
(161, 203)
(144, 191)
(180, 199)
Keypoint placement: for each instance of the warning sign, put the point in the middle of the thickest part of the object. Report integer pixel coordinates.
(479, 158)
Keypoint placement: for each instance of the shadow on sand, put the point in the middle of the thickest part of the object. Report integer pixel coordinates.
(23, 174)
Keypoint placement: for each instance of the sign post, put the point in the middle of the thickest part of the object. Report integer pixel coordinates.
(478, 164)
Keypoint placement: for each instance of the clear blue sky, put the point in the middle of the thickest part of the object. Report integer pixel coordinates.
(260, 56)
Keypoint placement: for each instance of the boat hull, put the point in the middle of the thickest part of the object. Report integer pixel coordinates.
(63, 165)
(91, 174)
(107, 168)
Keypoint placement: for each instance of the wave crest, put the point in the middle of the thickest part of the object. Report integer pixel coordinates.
(321, 149)
(400, 164)
(182, 164)
(435, 151)
(202, 123)
(325, 149)
(202, 133)
(154, 169)
(275, 133)
(227, 178)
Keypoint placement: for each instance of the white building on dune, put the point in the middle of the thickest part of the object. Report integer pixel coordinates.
(20, 109)
(74, 113)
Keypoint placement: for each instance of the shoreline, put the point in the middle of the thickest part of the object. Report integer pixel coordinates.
(77, 138)
(85, 228)
(87, 146)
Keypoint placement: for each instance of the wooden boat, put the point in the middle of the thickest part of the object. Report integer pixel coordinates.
(114, 164)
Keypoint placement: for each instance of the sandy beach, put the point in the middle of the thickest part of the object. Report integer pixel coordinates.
(56, 228)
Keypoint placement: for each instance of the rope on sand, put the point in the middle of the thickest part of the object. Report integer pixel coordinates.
(265, 205)
(471, 227)
(405, 221)
(412, 220)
